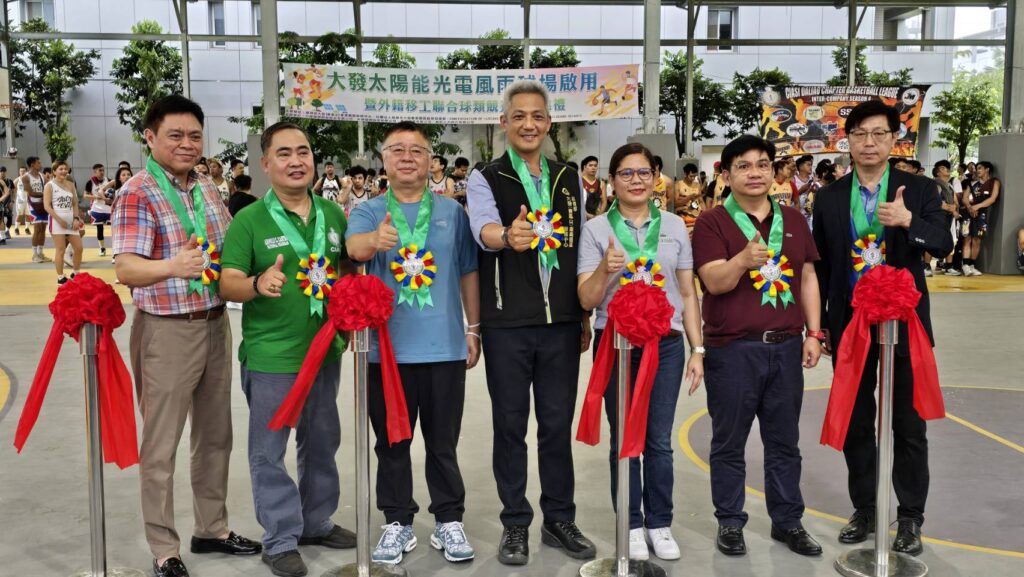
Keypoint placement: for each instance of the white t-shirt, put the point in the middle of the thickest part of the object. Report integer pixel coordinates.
(438, 187)
(331, 188)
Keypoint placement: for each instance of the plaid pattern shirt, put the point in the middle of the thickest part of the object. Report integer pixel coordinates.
(145, 223)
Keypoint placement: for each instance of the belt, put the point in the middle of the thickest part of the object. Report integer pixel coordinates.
(771, 337)
(207, 315)
(673, 334)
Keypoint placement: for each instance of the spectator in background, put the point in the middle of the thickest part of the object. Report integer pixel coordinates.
(382, 183)
(202, 167)
(5, 208)
(1020, 250)
(662, 185)
(782, 188)
(329, 185)
(438, 182)
(902, 164)
(593, 187)
(460, 182)
(217, 175)
(354, 193)
(984, 193)
(941, 175)
(242, 197)
(101, 201)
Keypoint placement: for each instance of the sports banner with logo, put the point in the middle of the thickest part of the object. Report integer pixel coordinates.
(811, 119)
(453, 96)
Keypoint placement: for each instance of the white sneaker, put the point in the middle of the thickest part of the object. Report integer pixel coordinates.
(953, 272)
(974, 271)
(928, 271)
(638, 545)
(664, 545)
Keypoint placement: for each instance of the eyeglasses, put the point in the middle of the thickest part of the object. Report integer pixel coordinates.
(876, 135)
(645, 174)
(745, 167)
(417, 152)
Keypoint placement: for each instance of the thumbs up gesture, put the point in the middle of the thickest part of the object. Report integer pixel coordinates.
(614, 259)
(520, 232)
(386, 236)
(895, 213)
(188, 263)
(755, 254)
(271, 281)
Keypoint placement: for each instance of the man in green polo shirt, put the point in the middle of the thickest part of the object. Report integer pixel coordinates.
(281, 257)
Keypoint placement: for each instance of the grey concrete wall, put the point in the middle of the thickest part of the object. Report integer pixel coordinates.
(999, 248)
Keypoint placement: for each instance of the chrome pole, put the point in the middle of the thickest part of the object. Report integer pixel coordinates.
(363, 566)
(881, 561)
(87, 340)
(621, 565)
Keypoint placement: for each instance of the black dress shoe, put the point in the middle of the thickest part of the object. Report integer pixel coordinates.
(172, 567)
(235, 544)
(730, 540)
(514, 548)
(908, 538)
(286, 564)
(857, 530)
(566, 535)
(798, 540)
(337, 538)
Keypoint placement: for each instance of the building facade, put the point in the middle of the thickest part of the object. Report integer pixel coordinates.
(226, 76)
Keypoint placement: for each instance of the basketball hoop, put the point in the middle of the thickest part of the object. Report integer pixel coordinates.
(11, 111)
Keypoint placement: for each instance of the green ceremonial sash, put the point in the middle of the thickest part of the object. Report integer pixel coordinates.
(643, 265)
(547, 224)
(414, 267)
(774, 278)
(316, 276)
(868, 250)
(211, 255)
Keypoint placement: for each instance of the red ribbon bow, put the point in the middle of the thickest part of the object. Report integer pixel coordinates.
(87, 299)
(884, 293)
(642, 314)
(355, 303)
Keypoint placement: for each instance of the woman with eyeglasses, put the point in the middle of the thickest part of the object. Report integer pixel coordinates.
(636, 242)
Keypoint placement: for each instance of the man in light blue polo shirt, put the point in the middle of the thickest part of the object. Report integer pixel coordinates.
(421, 246)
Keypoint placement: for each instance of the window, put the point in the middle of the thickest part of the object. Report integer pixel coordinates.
(38, 9)
(257, 20)
(904, 24)
(217, 22)
(722, 26)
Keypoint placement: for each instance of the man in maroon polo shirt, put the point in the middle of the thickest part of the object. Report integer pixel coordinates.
(756, 259)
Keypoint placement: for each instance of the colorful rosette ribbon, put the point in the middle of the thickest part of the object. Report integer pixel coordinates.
(643, 270)
(884, 293)
(357, 302)
(87, 299)
(211, 267)
(548, 234)
(773, 279)
(867, 253)
(317, 277)
(642, 314)
(415, 270)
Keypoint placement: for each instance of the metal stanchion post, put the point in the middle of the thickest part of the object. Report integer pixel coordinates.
(621, 565)
(880, 561)
(363, 567)
(88, 338)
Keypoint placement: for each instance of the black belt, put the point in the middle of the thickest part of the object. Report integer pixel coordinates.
(673, 334)
(771, 337)
(207, 315)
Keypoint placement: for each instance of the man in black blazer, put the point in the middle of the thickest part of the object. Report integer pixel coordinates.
(910, 212)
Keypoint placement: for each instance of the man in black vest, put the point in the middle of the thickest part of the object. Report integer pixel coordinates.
(526, 213)
(904, 217)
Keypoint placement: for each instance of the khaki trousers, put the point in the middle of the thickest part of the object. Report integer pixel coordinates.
(183, 369)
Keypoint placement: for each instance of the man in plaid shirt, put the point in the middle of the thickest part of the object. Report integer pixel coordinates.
(180, 341)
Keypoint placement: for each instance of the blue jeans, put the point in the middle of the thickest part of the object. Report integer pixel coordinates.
(745, 379)
(654, 490)
(287, 512)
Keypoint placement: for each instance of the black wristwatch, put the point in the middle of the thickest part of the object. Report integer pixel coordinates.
(255, 280)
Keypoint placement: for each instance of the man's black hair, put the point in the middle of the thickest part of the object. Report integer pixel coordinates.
(243, 182)
(588, 160)
(31, 160)
(356, 171)
(744, 144)
(804, 158)
(690, 168)
(98, 166)
(173, 104)
(658, 163)
(945, 163)
(442, 160)
(870, 108)
(268, 135)
(462, 162)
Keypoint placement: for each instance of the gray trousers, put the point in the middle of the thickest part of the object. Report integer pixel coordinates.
(284, 510)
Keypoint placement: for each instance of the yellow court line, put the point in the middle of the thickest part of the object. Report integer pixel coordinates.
(684, 441)
(5, 388)
(985, 433)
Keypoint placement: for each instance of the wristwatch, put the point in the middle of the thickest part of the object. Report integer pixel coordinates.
(255, 281)
(697, 350)
(504, 237)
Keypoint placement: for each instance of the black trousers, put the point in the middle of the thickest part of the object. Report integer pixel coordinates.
(910, 443)
(435, 392)
(548, 357)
